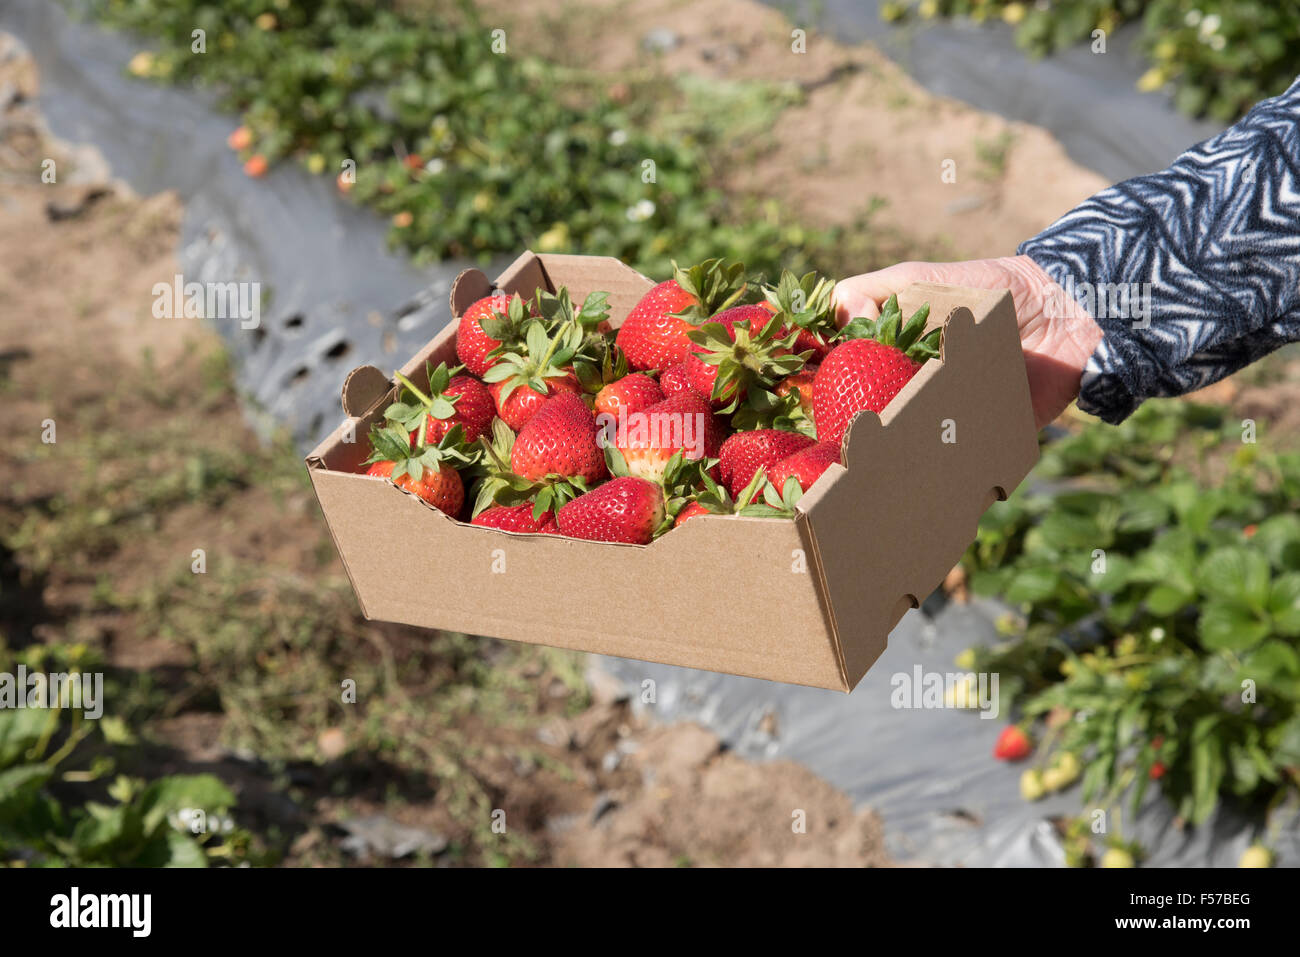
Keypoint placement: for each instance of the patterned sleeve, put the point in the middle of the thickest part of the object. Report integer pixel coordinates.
(1191, 273)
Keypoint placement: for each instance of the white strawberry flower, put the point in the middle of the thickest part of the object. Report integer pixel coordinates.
(641, 211)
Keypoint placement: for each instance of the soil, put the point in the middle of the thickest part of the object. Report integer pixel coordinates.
(78, 259)
(864, 131)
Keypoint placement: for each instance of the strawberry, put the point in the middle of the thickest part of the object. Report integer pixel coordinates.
(805, 466)
(653, 336)
(451, 401)
(799, 385)
(805, 307)
(681, 423)
(1157, 771)
(869, 368)
(256, 166)
(691, 510)
(516, 518)
(427, 472)
(736, 349)
(675, 379)
(473, 345)
(632, 393)
(1012, 744)
(746, 453)
(521, 404)
(559, 440)
(626, 509)
(240, 138)
(539, 367)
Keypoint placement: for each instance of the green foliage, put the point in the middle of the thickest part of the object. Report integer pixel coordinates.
(473, 152)
(51, 814)
(1219, 56)
(1159, 584)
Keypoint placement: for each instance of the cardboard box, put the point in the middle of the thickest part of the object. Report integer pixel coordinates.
(808, 601)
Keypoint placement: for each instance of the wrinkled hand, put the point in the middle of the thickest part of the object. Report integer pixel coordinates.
(1057, 335)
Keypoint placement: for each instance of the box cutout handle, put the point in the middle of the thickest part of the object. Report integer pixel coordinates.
(468, 288)
(364, 386)
(904, 604)
(995, 494)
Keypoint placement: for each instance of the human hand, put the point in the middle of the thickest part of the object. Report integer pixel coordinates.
(1056, 333)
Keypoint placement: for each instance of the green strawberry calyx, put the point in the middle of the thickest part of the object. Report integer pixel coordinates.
(393, 444)
(550, 342)
(746, 356)
(765, 409)
(888, 329)
(506, 329)
(716, 285)
(414, 406)
(804, 302)
(776, 503)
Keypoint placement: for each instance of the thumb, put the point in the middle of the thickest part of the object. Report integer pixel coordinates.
(863, 295)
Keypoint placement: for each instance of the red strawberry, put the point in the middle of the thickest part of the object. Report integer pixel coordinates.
(451, 401)
(805, 466)
(430, 476)
(1157, 771)
(523, 401)
(675, 379)
(681, 423)
(472, 343)
(737, 352)
(516, 518)
(559, 440)
(541, 363)
(801, 385)
(626, 509)
(690, 511)
(870, 368)
(653, 336)
(1012, 744)
(745, 453)
(474, 409)
(633, 393)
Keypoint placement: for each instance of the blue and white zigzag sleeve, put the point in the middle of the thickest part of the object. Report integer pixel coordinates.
(1217, 238)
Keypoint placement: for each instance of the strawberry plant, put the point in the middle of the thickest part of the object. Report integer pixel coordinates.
(62, 806)
(1157, 588)
(470, 151)
(1219, 57)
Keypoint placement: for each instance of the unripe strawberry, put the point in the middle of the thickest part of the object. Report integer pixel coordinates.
(1117, 857)
(1031, 785)
(1063, 771)
(1257, 855)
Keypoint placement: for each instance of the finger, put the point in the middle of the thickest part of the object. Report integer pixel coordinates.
(864, 295)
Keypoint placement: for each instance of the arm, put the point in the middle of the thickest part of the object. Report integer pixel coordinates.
(1209, 252)
(1190, 274)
